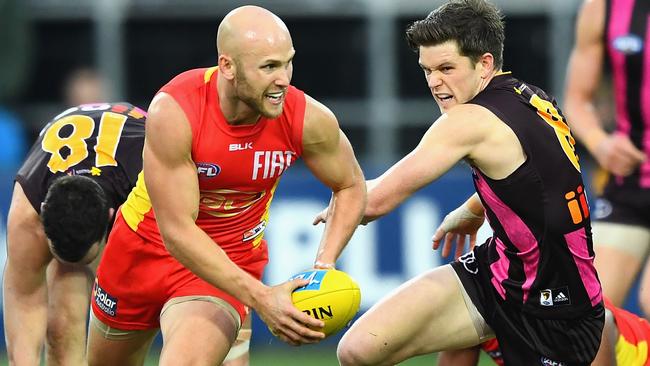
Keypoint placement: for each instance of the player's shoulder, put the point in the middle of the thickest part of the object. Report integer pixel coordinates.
(469, 113)
(193, 78)
(96, 111)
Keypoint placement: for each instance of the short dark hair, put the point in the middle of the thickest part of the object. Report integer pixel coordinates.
(476, 26)
(74, 215)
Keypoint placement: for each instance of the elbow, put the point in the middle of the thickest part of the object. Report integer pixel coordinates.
(172, 240)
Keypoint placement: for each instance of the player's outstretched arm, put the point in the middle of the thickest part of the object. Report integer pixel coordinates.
(454, 136)
(615, 152)
(172, 184)
(329, 155)
(24, 285)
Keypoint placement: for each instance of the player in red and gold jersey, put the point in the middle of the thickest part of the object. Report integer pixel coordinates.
(187, 251)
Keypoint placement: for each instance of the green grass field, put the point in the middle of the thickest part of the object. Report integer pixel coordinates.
(313, 356)
(304, 356)
(301, 356)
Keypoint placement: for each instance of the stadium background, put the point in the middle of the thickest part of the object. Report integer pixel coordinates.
(351, 55)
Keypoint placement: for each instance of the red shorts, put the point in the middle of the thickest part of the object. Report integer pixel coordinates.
(136, 277)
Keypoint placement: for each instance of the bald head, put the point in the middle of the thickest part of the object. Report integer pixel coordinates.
(248, 28)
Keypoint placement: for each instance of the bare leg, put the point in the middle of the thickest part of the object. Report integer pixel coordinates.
(113, 347)
(196, 333)
(426, 314)
(239, 354)
(461, 357)
(619, 246)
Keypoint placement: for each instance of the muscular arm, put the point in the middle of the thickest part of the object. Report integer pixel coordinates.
(24, 285)
(616, 153)
(329, 155)
(453, 137)
(172, 184)
(584, 73)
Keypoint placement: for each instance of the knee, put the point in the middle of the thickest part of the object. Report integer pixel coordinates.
(351, 354)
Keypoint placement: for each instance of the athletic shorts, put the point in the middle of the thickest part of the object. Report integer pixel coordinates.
(526, 339)
(135, 279)
(623, 205)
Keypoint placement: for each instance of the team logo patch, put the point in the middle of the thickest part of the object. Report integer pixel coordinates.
(545, 361)
(315, 279)
(254, 232)
(104, 300)
(207, 170)
(603, 208)
(628, 44)
(94, 171)
(546, 298)
(555, 297)
(469, 262)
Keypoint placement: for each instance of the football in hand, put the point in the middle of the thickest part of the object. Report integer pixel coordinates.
(331, 296)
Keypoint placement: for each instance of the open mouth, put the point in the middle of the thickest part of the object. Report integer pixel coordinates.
(444, 97)
(275, 98)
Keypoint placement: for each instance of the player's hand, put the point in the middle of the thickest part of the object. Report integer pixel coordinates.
(321, 217)
(284, 320)
(618, 155)
(324, 265)
(455, 228)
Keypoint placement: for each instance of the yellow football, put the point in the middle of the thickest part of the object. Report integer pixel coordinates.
(331, 296)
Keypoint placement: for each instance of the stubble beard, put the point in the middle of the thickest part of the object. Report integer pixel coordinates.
(246, 94)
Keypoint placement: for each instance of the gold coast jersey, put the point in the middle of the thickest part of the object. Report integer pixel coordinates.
(237, 167)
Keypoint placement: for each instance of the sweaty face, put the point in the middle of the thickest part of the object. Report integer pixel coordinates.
(453, 79)
(263, 77)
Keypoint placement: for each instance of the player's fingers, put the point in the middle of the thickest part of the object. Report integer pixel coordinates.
(303, 319)
(460, 246)
(437, 237)
(319, 218)
(287, 336)
(446, 246)
(296, 283)
(472, 242)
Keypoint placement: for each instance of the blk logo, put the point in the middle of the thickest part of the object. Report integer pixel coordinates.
(577, 204)
(240, 147)
(207, 170)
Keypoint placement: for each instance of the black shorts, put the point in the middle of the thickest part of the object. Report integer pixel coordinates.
(525, 339)
(623, 205)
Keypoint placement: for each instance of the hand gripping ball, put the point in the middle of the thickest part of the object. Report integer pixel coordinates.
(331, 296)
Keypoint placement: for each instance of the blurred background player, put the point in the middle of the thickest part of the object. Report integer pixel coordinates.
(625, 343)
(78, 172)
(218, 140)
(84, 85)
(616, 31)
(533, 283)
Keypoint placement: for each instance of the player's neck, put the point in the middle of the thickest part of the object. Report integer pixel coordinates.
(486, 81)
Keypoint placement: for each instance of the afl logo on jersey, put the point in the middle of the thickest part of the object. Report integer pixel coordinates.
(628, 44)
(207, 170)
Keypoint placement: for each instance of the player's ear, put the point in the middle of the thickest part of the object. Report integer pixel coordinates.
(486, 62)
(227, 66)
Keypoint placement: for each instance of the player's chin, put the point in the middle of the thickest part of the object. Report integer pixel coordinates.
(272, 113)
(271, 110)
